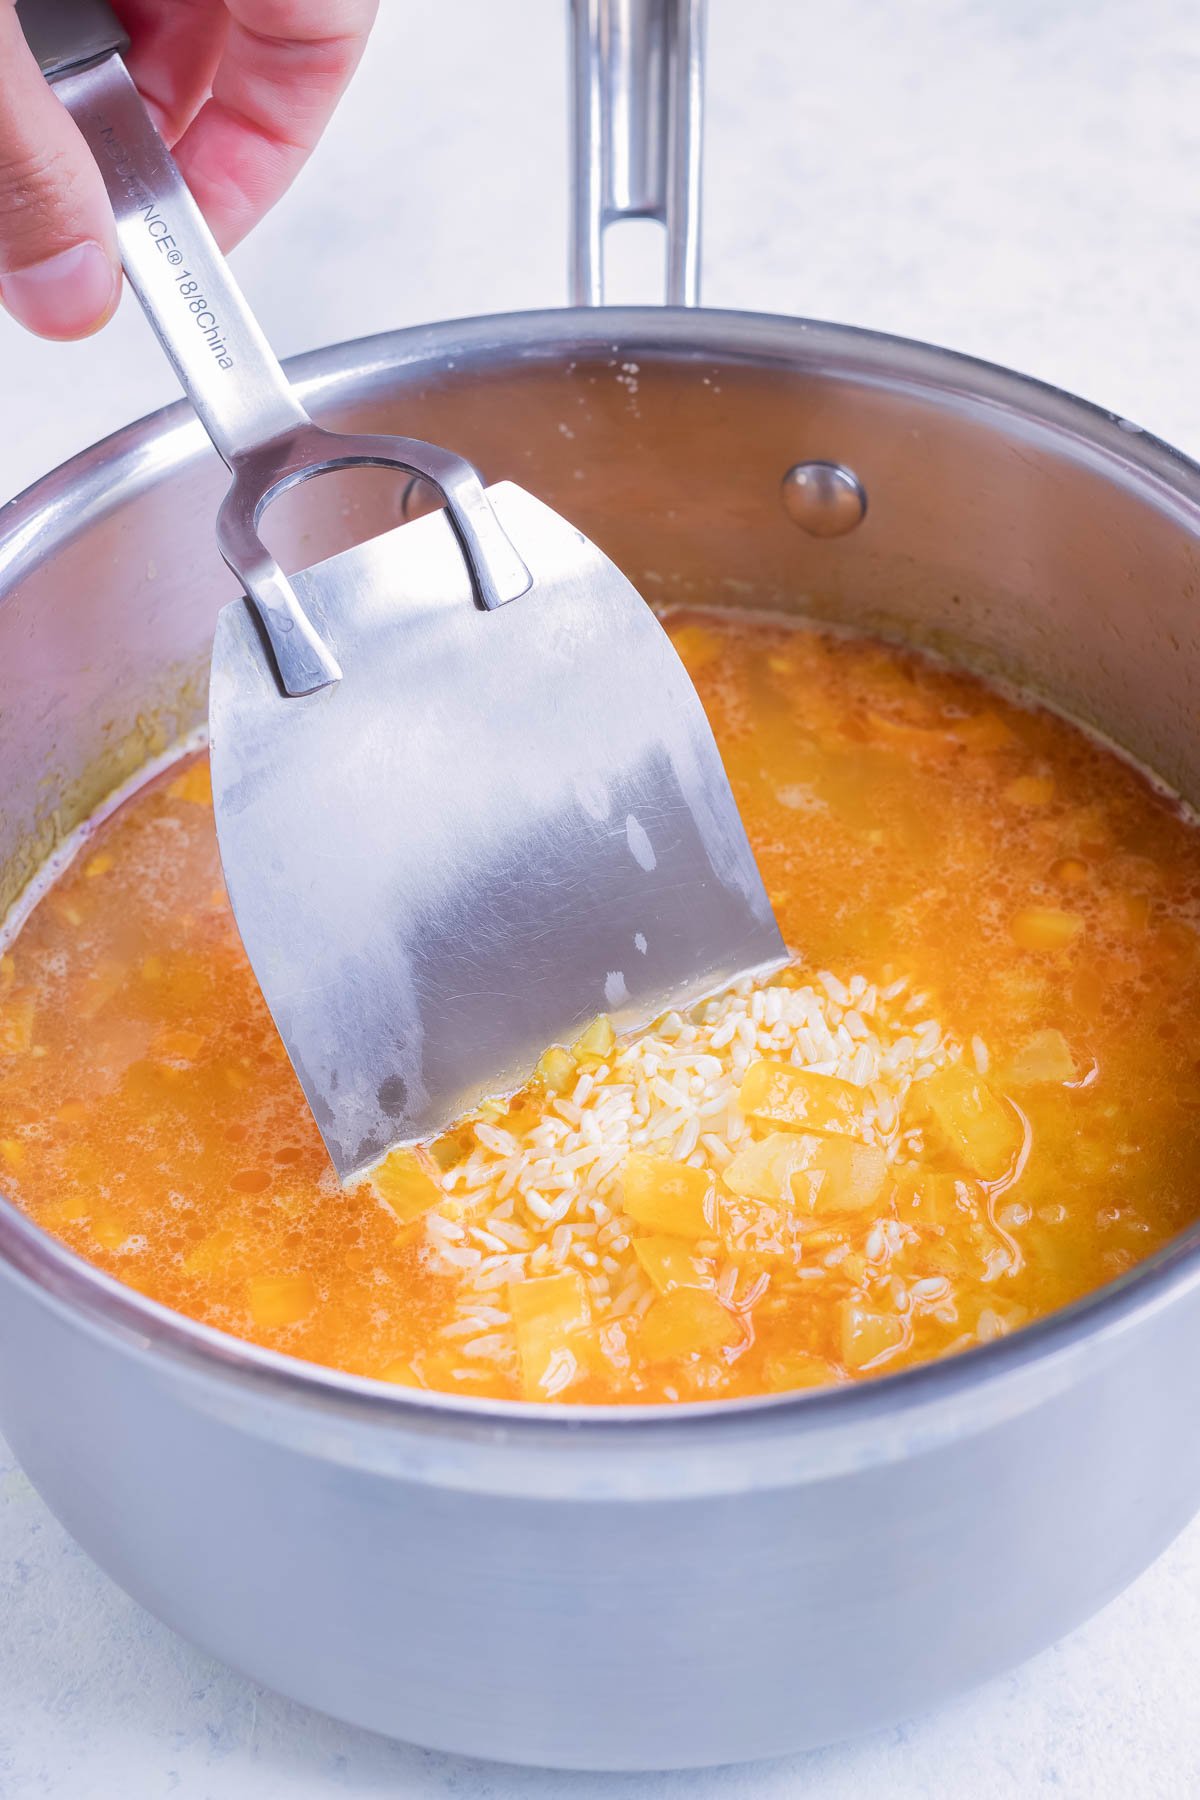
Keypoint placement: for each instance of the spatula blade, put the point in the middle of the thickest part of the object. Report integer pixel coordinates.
(495, 826)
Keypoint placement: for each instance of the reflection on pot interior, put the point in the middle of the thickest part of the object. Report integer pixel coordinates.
(973, 1096)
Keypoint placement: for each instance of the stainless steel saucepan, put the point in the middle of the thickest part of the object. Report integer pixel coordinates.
(622, 1588)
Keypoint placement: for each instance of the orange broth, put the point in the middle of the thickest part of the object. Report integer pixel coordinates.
(1007, 876)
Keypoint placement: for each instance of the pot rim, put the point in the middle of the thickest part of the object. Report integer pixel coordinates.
(68, 498)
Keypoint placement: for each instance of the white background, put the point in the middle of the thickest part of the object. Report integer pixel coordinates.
(1016, 178)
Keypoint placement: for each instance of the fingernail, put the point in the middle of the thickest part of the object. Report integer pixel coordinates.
(67, 296)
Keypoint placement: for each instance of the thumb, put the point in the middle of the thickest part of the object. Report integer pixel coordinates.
(59, 271)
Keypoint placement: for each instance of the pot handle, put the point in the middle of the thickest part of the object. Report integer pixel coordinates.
(637, 90)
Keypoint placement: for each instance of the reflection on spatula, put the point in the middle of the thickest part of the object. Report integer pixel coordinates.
(466, 795)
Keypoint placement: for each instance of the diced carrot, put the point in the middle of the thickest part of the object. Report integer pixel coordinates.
(406, 1183)
(670, 1196)
(684, 1321)
(671, 1263)
(786, 1095)
(974, 1126)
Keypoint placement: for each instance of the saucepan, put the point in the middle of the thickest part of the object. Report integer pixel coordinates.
(622, 1588)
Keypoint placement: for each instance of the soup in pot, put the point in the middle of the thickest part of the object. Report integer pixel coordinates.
(971, 1097)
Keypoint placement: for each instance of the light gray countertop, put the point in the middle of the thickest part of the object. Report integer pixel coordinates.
(1016, 178)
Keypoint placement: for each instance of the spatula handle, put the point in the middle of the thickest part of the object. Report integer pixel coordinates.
(224, 363)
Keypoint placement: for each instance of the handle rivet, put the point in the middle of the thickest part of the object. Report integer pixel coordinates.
(824, 498)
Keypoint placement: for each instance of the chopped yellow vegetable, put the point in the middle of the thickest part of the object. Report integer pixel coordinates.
(671, 1263)
(597, 1039)
(997, 1319)
(695, 646)
(670, 1196)
(922, 741)
(100, 864)
(868, 1337)
(790, 1096)
(685, 1320)
(754, 1231)
(550, 1313)
(71, 1210)
(972, 1124)
(798, 1369)
(12, 1152)
(1045, 928)
(195, 784)
(558, 1069)
(406, 1184)
(985, 731)
(401, 1372)
(281, 1299)
(16, 1025)
(932, 1197)
(814, 1172)
(1046, 1056)
(1030, 790)
(211, 1253)
(1127, 913)
(103, 984)
(852, 1175)
(775, 1169)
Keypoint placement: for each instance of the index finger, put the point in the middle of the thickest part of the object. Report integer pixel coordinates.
(283, 68)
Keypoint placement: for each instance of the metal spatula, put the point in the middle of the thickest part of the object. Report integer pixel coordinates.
(466, 795)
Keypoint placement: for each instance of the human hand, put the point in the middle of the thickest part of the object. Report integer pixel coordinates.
(240, 89)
